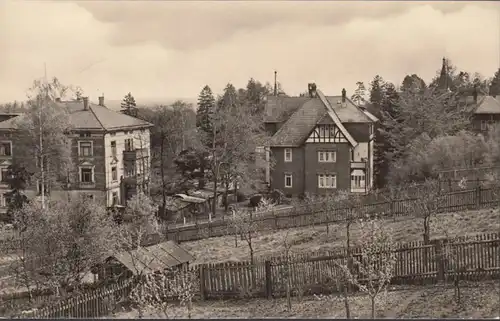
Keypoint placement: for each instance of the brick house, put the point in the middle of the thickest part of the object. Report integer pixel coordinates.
(319, 144)
(110, 150)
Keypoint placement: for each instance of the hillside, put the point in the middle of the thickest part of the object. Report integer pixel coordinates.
(309, 239)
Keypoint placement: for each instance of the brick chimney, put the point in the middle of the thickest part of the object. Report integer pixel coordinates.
(343, 95)
(101, 100)
(312, 90)
(85, 103)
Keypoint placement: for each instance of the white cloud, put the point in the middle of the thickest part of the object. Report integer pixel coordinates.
(78, 49)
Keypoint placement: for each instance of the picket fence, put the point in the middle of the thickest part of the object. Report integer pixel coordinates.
(477, 258)
(310, 215)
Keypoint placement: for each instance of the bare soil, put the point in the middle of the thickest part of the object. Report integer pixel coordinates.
(479, 300)
(308, 239)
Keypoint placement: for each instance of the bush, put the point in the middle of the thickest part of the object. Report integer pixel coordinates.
(255, 200)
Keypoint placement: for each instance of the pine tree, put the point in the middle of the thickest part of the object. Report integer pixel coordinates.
(129, 107)
(377, 96)
(413, 82)
(229, 99)
(495, 84)
(206, 105)
(359, 94)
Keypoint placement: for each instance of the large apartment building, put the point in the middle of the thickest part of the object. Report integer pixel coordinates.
(110, 153)
(319, 144)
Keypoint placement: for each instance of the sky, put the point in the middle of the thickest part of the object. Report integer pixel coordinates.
(161, 50)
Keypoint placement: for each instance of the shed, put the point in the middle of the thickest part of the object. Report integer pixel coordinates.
(145, 260)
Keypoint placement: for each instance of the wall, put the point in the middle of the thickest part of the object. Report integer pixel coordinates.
(359, 131)
(341, 167)
(141, 138)
(361, 151)
(295, 167)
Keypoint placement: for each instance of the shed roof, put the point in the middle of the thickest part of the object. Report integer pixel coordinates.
(153, 258)
(488, 105)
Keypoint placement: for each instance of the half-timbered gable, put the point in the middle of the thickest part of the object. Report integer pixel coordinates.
(326, 134)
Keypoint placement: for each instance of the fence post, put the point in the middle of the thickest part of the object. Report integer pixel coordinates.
(202, 282)
(269, 280)
(438, 245)
(478, 197)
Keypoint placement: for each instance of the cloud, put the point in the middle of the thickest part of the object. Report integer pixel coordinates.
(174, 53)
(199, 24)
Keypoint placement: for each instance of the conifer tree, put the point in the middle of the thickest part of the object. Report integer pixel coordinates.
(206, 105)
(128, 105)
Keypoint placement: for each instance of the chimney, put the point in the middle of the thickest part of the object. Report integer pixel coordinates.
(275, 83)
(85, 103)
(101, 100)
(343, 95)
(312, 90)
(58, 99)
(474, 94)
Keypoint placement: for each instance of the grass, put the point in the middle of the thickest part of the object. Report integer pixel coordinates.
(479, 300)
(308, 239)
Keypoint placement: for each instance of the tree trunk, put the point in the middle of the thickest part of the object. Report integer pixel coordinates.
(214, 203)
(226, 192)
(163, 183)
(373, 307)
(426, 230)
(346, 301)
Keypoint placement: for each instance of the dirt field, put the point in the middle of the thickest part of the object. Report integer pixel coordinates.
(478, 301)
(307, 239)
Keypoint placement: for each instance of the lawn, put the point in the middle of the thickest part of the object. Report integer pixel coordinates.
(479, 300)
(308, 239)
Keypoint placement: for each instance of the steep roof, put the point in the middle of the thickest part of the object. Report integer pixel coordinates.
(309, 112)
(488, 105)
(94, 118)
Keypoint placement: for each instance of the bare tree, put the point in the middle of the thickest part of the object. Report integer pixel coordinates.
(286, 271)
(42, 131)
(185, 285)
(152, 293)
(376, 261)
(426, 203)
(244, 224)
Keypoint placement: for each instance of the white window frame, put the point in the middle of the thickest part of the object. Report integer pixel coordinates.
(131, 145)
(3, 201)
(323, 179)
(114, 179)
(80, 148)
(113, 198)
(371, 129)
(10, 147)
(38, 189)
(80, 176)
(2, 169)
(113, 150)
(358, 179)
(288, 151)
(291, 180)
(322, 156)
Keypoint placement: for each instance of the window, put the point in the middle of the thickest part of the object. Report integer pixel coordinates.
(3, 200)
(327, 156)
(46, 189)
(484, 125)
(358, 179)
(371, 129)
(113, 148)
(114, 174)
(114, 198)
(288, 180)
(86, 175)
(129, 171)
(288, 154)
(85, 134)
(4, 172)
(129, 144)
(5, 149)
(85, 149)
(352, 154)
(327, 181)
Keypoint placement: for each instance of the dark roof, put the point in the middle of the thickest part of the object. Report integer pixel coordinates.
(94, 118)
(312, 111)
(488, 105)
(153, 258)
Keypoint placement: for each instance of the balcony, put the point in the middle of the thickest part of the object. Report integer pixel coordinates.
(135, 154)
(358, 165)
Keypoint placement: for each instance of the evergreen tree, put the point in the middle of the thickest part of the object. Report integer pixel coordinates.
(254, 96)
(377, 93)
(206, 106)
(359, 94)
(413, 82)
(129, 107)
(494, 89)
(229, 99)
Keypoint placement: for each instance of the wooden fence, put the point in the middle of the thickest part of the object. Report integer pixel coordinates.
(309, 215)
(478, 259)
(471, 173)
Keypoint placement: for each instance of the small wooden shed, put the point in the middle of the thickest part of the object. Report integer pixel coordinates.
(145, 260)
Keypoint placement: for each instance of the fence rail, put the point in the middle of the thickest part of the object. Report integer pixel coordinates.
(416, 263)
(462, 200)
